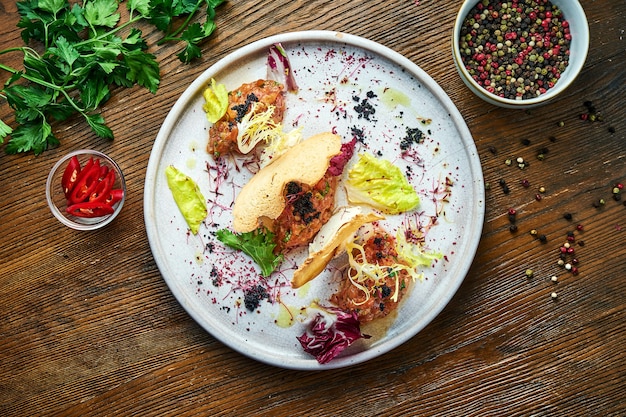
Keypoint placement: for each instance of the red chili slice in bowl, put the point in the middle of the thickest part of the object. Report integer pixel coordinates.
(114, 196)
(86, 183)
(90, 209)
(70, 175)
(103, 188)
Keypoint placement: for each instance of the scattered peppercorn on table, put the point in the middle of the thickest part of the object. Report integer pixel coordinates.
(538, 327)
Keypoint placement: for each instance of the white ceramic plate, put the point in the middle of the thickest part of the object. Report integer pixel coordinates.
(336, 73)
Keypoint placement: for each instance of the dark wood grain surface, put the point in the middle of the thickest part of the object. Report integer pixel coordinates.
(89, 327)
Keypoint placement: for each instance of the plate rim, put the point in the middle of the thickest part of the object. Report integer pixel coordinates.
(420, 75)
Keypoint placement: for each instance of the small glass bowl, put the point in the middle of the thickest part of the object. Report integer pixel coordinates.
(56, 196)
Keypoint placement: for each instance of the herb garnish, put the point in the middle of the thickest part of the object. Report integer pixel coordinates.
(83, 55)
(258, 244)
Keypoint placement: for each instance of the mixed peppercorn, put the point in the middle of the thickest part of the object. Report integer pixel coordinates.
(516, 49)
(567, 252)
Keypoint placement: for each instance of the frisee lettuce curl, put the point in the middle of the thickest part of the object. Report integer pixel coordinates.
(187, 196)
(330, 331)
(215, 101)
(380, 184)
(279, 144)
(412, 254)
(257, 126)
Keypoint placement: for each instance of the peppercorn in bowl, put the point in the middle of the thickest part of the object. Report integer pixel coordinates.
(519, 53)
(85, 190)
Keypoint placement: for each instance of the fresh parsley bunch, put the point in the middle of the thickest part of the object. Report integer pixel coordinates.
(82, 55)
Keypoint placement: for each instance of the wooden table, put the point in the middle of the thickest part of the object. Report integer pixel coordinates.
(89, 327)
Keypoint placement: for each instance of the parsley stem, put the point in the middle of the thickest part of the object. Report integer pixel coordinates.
(31, 79)
(173, 36)
(43, 83)
(113, 31)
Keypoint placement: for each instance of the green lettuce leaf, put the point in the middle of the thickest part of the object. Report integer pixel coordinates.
(187, 196)
(258, 244)
(380, 184)
(215, 101)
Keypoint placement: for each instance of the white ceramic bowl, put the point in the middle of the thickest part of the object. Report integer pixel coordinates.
(58, 202)
(579, 46)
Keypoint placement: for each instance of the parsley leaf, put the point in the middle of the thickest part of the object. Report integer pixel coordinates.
(192, 36)
(101, 13)
(31, 137)
(258, 244)
(164, 17)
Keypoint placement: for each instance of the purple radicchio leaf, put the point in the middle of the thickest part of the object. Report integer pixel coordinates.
(330, 332)
(279, 68)
(339, 161)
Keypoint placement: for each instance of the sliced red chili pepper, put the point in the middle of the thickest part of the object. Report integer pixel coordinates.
(85, 184)
(103, 188)
(70, 175)
(115, 195)
(90, 209)
(104, 170)
(84, 170)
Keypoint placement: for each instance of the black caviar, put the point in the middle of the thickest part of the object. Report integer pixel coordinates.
(242, 109)
(515, 49)
(413, 136)
(253, 296)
